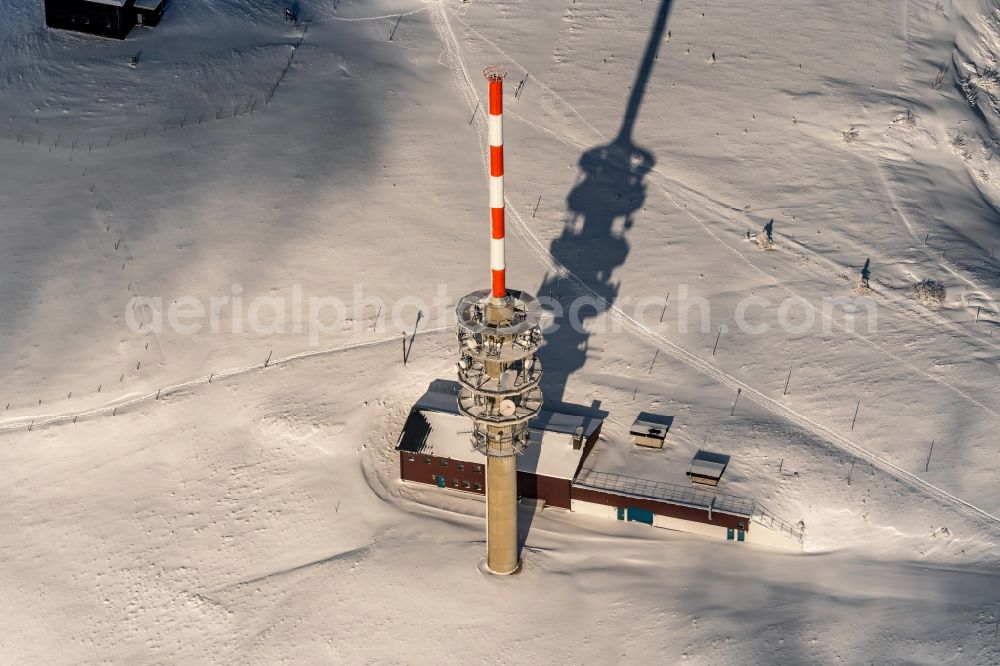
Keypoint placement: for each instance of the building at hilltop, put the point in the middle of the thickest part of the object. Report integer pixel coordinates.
(570, 467)
(435, 448)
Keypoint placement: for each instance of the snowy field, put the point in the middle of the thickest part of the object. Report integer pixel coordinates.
(226, 491)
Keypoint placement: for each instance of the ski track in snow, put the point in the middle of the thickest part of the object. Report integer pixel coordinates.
(452, 56)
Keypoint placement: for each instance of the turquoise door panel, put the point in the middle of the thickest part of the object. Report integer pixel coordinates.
(640, 515)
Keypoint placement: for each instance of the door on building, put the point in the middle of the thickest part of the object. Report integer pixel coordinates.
(440, 481)
(640, 515)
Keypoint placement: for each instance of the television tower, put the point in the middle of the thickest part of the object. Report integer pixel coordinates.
(498, 336)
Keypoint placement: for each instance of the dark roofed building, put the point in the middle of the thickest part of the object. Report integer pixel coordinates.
(107, 18)
(149, 12)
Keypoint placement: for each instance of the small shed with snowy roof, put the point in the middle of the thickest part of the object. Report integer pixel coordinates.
(707, 467)
(650, 429)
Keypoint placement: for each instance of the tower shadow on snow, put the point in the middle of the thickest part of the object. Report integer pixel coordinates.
(610, 188)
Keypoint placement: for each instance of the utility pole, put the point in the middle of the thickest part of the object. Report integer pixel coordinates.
(664, 310)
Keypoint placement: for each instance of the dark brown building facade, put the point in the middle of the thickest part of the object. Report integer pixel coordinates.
(471, 478)
(660, 508)
(442, 472)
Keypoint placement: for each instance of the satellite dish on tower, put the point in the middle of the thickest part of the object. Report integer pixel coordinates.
(507, 408)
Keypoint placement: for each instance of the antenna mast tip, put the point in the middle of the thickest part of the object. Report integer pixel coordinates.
(495, 73)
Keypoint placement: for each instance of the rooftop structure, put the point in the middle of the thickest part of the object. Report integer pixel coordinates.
(707, 467)
(650, 429)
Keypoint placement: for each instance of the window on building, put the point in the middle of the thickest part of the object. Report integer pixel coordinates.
(477, 486)
(454, 481)
(411, 458)
(443, 462)
(466, 485)
(427, 460)
(477, 469)
(459, 466)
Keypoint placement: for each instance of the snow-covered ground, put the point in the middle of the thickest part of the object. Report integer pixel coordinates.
(252, 514)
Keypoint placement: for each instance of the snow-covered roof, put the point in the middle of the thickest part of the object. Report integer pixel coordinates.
(709, 464)
(151, 5)
(651, 425)
(449, 436)
(550, 453)
(115, 3)
(441, 397)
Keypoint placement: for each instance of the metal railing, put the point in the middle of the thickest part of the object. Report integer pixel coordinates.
(763, 517)
(667, 492)
(688, 496)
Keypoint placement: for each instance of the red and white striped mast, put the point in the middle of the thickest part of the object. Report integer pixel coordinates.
(495, 75)
(498, 334)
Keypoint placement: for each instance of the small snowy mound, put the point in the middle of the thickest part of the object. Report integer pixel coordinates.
(929, 293)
